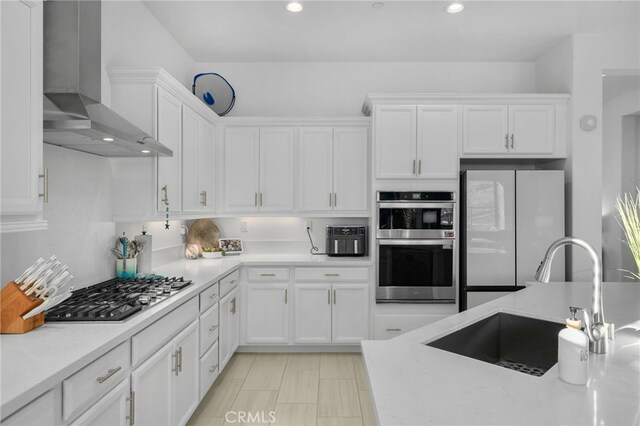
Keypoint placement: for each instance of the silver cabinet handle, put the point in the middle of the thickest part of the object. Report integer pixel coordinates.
(213, 328)
(260, 199)
(233, 281)
(180, 359)
(165, 199)
(394, 329)
(286, 296)
(233, 305)
(203, 198)
(419, 167)
(414, 167)
(335, 199)
(512, 141)
(330, 200)
(213, 296)
(334, 296)
(175, 362)
(255, 199)
(110, 372)
(331, 275)
(267, 275)
(45, 185)
(329, 296)
(132, 409)
(506, 141)
(213, 369)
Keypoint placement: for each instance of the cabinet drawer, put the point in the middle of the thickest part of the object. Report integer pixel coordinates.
(208, 328)
(209, 297)
(43, 411)
(209, 370)
(229, 282)
(152, 338)
(94, 380)
(389, 326)
(332, 274)
(268, 274)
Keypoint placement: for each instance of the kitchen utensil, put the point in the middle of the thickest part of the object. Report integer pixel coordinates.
(29, 270)
(117, 253)
(123, 241)
(31, 278)
(48, 304)
(39, 284)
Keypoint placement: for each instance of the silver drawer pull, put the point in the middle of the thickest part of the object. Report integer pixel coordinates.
(394, 329)
(331, 275)
(267, 275)
(213, 296)
(110, 373)
(233, 281)
(213, 369)
(213, 328)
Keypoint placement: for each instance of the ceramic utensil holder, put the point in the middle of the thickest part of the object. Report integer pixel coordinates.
(126, 268)
(13, 304)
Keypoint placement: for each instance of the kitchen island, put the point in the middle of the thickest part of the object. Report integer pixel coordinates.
(415, 384)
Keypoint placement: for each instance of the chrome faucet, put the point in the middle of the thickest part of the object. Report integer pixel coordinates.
(598, 331)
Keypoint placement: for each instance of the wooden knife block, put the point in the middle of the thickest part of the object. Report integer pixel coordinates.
(13, 304)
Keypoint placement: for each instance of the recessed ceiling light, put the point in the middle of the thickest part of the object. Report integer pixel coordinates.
(294, 6)
(145, 151)
(455, 8)
(377, 5)
(107, 139)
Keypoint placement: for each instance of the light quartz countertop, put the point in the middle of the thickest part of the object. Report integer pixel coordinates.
(33, 363)
(415, 384)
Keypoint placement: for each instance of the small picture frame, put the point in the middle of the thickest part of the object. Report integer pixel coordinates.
(231, 245)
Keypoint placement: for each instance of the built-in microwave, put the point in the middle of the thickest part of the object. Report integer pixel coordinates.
(415, 215)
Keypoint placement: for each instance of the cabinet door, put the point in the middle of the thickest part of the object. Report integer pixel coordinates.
(532, 129)
(152, 385)
(438, 142)
(45, 410)
(350, 319)
(111, 410)
(21, 106)
(490, 227)
(224, 337)
(485, 129)
(312, 313)
(316, 169)
(241, 169)
(234, 321)
(186, 384)
(276, 169)
(170, 135)
(394, 138)
(267, 313)
(197, 162)
(350, 171)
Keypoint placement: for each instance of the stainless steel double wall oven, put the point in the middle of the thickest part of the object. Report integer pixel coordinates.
(416, 247)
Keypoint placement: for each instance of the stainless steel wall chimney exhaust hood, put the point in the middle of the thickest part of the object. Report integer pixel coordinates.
(73, 115)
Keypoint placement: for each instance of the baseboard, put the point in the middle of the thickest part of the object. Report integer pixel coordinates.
(300, 348)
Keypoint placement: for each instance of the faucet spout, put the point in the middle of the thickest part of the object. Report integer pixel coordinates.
(598, 330)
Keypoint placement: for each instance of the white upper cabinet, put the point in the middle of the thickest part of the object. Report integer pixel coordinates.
(437, 142)
(21, 114)
(316, 169)
(416, 142)
(395, 141)
(258, 169)
(197, 162)
(170, 135)
(333, 169)
(276, 169)
(511, 130)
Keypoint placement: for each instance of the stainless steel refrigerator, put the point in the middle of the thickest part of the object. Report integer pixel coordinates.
(508, 219)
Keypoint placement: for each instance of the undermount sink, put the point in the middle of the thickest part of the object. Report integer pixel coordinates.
(523, 344)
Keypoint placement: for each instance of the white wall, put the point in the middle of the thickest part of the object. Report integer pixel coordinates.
(589, 55)
(79, 214)
(339, 88)
(619, 176)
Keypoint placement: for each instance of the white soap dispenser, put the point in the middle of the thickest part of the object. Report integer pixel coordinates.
(573, 352)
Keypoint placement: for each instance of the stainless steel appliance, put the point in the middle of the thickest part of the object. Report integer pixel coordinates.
(416, 247)
(116, 299)
(346, 240)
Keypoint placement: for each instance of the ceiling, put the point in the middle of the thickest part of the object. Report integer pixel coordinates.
(263, 31)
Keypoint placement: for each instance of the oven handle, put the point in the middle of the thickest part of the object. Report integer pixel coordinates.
(423, 205)
(444, 243)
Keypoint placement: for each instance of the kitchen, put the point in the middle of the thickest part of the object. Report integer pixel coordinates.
(324, 124)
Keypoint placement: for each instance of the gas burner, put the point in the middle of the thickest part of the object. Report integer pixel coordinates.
(116, 299)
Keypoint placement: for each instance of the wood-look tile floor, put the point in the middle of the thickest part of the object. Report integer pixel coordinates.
(300, 389)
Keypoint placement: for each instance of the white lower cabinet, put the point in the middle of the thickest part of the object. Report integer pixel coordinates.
(44, 410)
(229, 338)
(111, 410)
(165, 387)
(209, 369)
(267, 313)
(326, 313)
